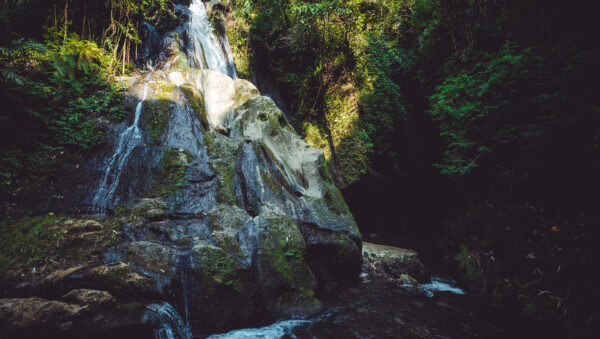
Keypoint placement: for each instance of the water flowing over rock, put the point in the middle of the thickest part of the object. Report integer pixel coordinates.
(230, 219)
(129, 140)
(209, 51)
(169, 322)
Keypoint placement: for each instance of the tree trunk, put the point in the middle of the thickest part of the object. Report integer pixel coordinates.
(66, 21)
(124, 51)
(83, 24)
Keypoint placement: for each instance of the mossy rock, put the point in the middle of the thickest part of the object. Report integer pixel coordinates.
(223, 153)
(227, 239)
(340, 136)
(171, 176)
(227, 217)
(156, 113)
(195, 100)
(179, 62)
(217, 268)
(244, 90)
(221, 291)
(152, 209)
(151, 257)
(121, 280)
(286, 283)
(53, 242)
(238, 33)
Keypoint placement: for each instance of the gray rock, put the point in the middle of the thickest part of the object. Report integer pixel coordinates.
(89, 298)
(286, 283)
(151, 257)
(392, 263)
(152, 209)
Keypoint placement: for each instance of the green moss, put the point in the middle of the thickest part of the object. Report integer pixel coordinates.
(122, 211)
(339, 134)
(230, 245)
(223, 152)
(171, 177)
(196, 102)
(120, 278)
(335, 201)
(29, 242)
(156, 115)
(315, 137)
(180, 62)
(226, 173)
(35, 242)
(238, 32)
(284, 252)
(218, 267)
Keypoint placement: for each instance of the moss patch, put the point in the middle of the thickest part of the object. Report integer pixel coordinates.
(282, 267)
(53, 241)
(223, 154)
(156, 115)
(121, 279)
(196, 102)
(171, 177)
(218, 268)
(339, 134)
(238, 34)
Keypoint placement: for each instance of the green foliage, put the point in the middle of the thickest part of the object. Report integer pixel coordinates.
(382, 100)
(499, 93)
(53, 96)
(508, 109)
(29, 243)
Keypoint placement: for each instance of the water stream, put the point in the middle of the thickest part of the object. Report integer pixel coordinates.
(371, 309)
(170, 324)
(208, 50)
(381, 309)
(128, 140)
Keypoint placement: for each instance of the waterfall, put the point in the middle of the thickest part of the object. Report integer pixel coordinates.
(216, 56)
(281, 329)
(128, 140)
(171, 326)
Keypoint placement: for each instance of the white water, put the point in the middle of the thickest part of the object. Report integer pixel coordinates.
(171, 324)
(276, 330)
(439, 284)
(128, 140)
(215, 56)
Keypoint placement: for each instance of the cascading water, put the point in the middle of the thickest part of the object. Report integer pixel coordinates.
(208, 51)
(170, 324)
(129, 139)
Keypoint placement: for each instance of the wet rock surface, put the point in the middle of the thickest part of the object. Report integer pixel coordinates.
(394, 263)
(226, 218)
(381, 309)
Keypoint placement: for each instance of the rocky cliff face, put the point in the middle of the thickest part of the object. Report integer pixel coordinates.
(223, 212)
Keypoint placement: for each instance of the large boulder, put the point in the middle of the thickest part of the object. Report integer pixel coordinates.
(390, 262)
(228, 215)
(79, 313)
(219, 291)
(286, 283)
